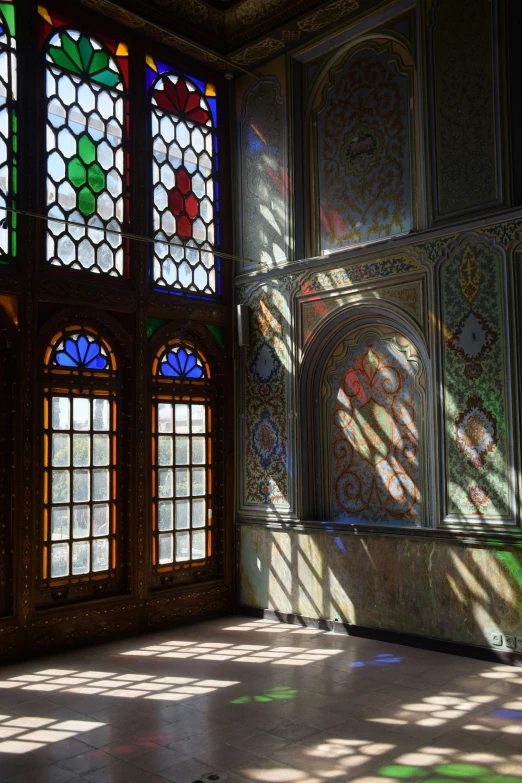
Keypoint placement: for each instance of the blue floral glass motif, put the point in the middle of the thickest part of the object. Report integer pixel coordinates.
(180, 363)
(78, 352)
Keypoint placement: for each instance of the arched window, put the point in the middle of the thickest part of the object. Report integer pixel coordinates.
(8, 135)
(184, 186)
(86, 139)
(80, 453)
(182, 440)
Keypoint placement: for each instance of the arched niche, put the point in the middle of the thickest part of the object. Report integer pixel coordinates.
(362, 146)
(366, 401)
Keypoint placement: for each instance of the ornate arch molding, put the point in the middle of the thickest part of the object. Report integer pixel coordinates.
(364, 146)
(402, 339)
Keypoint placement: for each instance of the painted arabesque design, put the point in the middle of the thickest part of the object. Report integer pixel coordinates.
(475, 381)
(373, 411)
(266, 470)
(363, 150)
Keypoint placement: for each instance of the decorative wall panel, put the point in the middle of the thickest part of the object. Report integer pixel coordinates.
(465, 108)
(363, 165)
(265, 469)
(264, 181)
(408, 297)
(373, 410)
(476, 383)
(419, 585)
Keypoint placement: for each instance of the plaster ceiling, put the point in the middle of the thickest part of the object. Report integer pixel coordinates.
(245, 32)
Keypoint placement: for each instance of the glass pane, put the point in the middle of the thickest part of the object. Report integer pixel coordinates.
(198, 481)
(165, 483)
(61, 413)
(100, 415)
(59, 523)
(198, 545)
(198, 419)
(85, 161)
(81, 413)
(100, 519)
(165, 515)
(81, 555)
(182, 418)
(198, 513)
(182, 514)
(182, 482)
(100, 454)
(182, 451)
(165, 449)
(81, 450)
(61, 486)
(165, 548)
(81, 521)
(61, 451)
(59, 560)
(181, 183)
(100, 484)
(198, 451)
(81, 486)
(165, 423)
(182, 546)
(100, 555)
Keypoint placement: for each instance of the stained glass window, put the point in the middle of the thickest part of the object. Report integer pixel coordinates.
(8, 131)
(87, 126)
(80, 423)
(182, 457)
(185, 191)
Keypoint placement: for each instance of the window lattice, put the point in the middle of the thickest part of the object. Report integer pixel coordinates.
(182, 458)
(80, 446)
(185, 190)
(8, 133)
(86, 130)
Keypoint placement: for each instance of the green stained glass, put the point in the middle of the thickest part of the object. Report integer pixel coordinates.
(99, 62)
(70, 47)
(86, 51)
(109, 78)
(86, 202)
(96, 178)
(60, 58)
(81, 57)
(9, 16)
(76, 172)
(87, 149)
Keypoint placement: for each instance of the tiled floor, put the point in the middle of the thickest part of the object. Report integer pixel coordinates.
(263, 702)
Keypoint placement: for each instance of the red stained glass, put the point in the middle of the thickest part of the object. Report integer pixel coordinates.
(175, 202)
(192, 206)
(175, 97)
(183, 181)
(183, 185)
(184, 227)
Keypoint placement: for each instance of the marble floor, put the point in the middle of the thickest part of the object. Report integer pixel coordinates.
(247, 700)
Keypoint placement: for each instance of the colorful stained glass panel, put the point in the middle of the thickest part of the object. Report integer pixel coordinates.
(8, 131)
(183, 173)
(86, 161)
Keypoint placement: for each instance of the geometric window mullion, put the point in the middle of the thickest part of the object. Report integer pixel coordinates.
(86, 127)
(185, 191)
(8, 132)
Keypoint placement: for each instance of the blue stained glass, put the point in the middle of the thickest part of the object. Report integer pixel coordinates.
(212, 104)
(79, 352)
(150, 76)
(180, 363)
